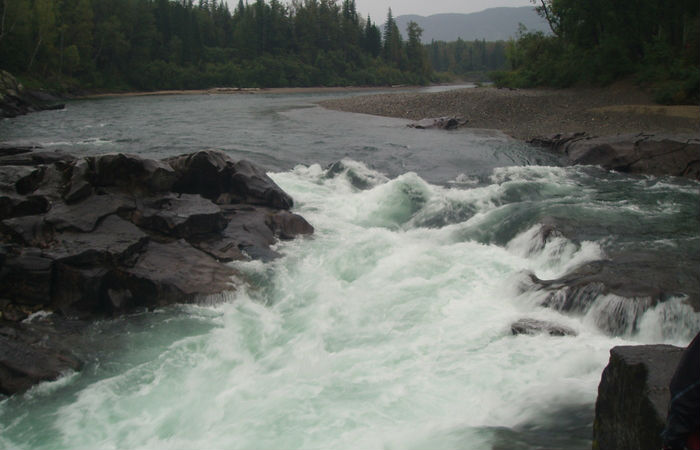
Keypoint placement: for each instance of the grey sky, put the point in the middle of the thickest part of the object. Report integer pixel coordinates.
(377, 9)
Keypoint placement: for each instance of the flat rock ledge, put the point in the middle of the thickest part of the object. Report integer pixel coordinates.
(98, 236)
(633, 397)
(650, 154)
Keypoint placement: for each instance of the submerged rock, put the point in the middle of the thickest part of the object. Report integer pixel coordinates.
(98, 236)
(633, 397)
(31, 353)
(631, 153)
(622, 288)
(532, 326)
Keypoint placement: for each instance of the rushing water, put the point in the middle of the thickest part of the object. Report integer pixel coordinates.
(390, 327)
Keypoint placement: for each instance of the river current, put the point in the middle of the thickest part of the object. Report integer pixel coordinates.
(390, 327)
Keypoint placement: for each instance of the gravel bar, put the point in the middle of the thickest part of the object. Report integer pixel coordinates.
(528, 113)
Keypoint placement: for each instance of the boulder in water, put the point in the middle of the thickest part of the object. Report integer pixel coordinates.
(532, 326)
(630, 282)
(441, 123)
(632, 153)
(99, 236)
(633, 397)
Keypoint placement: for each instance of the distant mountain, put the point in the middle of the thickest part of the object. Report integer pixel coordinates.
(492, 24)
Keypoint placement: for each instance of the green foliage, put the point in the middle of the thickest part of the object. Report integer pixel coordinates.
(180, 44)
(599, 42)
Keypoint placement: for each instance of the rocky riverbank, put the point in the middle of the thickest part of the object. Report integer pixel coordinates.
(93, 237)
(530, 113)
(616, 128)
(15, 100)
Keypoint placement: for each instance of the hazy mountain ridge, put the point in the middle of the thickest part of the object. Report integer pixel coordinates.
(492, 24)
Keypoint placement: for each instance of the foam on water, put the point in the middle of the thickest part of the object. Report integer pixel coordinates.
(388, 329)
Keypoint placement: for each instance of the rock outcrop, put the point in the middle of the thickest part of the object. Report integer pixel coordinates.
(633, 397)
(105, 235)
(631, 153)
(16, 101)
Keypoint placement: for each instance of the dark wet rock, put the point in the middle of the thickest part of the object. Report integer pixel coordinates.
(181, 216)
(248, 228)
(442, 123)
(633, 397)
(357, 180)
(631, 153)
(114, 242)
(79, 187)
(30, 354)
(10, 176)
(18, 206)
(8, 149)
(32, 231)
(250, 232)
(532, 326)
(106, 235)
(206, 173)
(26, 278)
(558, 143)
(253, 186)
(623, 288)
(37, 157)
(84, 216)
(215, 176)
(166, 274)
(288, 225)
(79, 292)
(16, 101)
(132, 172)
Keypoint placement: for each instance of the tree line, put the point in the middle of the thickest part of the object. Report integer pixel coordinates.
(180, 44)
(655, 42)
(470, 59)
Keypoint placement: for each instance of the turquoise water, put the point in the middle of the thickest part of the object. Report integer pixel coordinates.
(387, 329)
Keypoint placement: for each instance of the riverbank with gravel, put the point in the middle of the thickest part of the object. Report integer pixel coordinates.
(529, 113)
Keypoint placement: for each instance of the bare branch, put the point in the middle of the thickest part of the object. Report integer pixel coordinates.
(545, 11)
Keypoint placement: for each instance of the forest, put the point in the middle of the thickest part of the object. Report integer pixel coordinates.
(472, 60)
(653, 42)
(180, 44)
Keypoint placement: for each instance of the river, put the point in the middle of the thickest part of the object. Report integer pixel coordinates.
(390, 327)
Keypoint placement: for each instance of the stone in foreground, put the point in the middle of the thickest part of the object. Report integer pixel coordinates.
(93, 237)
(633, 397)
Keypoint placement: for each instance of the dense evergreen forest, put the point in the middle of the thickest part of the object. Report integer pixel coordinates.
(180, 44)
(467, 59)
(655, 42)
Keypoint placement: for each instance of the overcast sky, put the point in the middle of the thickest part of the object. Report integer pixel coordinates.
(378, 8)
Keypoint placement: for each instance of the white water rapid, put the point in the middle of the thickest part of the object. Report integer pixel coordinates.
(388, 329)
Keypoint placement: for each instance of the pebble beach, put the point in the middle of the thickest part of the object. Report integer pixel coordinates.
(528, 113)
